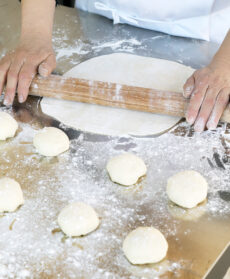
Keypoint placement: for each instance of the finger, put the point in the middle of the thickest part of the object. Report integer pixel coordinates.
(206, 109)
(196, 101)
(47, 66)
(26, 75)
(3, 73)
(189, 87)
(220, 105)
(11, 84)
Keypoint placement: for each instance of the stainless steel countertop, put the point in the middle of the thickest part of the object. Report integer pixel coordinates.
(79, 36)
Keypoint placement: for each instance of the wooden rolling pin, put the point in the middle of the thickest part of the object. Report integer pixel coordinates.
(114, 95)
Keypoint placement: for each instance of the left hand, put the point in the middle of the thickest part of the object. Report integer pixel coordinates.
(18, 68)
(209, 89)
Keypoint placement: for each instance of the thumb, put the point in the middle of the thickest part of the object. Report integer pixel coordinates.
(47, 66)
(189, 86)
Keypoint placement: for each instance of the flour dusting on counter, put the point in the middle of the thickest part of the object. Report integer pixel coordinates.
(32, 247)
(80, 49)
(116, 45)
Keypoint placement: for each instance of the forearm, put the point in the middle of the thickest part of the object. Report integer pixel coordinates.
(33, 55)
(37, 19)
(223, 54)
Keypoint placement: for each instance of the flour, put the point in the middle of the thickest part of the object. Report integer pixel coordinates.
(116, 45)
(67, 52)
(31, 250)
(3, 53)
(82, 48)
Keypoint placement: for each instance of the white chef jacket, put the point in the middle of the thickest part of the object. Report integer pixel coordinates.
(201, 19)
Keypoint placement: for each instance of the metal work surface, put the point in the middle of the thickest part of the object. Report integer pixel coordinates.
(31, 246)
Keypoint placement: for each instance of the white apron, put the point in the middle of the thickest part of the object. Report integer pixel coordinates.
(201, 19)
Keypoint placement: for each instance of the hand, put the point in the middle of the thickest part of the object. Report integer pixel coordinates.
(209, 89)
(18, 67)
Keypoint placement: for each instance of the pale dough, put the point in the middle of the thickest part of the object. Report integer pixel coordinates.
(227, 275)
(145, 245)
(126, 169)
(78, 219)
(187, 188)
(51, 141)
(127, 69)
(11, 196)
(8, 126)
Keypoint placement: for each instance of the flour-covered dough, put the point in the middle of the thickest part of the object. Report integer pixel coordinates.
(187, 188)
(121, 68)
(8, 126)
(78, 219)
(51, 141)
(145, 245)
(126, 169)
(11, 196)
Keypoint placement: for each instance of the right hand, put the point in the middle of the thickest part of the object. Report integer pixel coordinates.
(18, 67)
(209, 89)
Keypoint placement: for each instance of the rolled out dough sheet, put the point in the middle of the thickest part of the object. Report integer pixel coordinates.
(126, 69)
(227, 275)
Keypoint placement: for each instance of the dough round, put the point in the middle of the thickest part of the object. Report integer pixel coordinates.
(78, 219)
(227, 275)
(11, 195)
(51, 141)
(8, 126)
(145, 245)
(126, 169)
(121, 68)
(187, 188)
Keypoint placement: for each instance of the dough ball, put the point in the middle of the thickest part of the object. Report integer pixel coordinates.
(51, 141)
(145, 245)
(8, 126)
(78, 219)
(11, 195)
(187, 188)
(126, 169)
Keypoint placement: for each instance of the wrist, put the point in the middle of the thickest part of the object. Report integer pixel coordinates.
(35, 32)
(222, 57)
(219, 62)
(35, 38)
